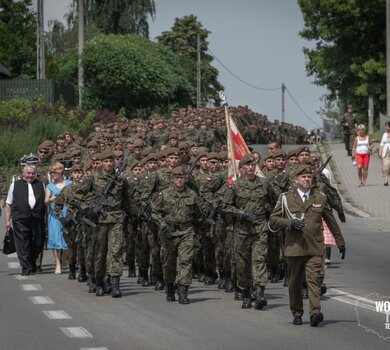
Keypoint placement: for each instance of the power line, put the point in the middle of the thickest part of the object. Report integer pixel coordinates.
(242, 80)
(304, 113)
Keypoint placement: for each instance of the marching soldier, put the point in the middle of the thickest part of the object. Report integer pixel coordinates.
(176, 210)
(246, 199)
(348, 122)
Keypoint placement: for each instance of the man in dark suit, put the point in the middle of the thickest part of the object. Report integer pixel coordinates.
(299, 212)
(25, 205)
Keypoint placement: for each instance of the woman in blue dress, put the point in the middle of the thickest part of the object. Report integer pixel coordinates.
(55, 239)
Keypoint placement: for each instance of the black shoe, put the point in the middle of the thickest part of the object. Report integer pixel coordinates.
(229, 286)
(275, 278)
(246, 303)
(208, 281)
(316, 319)
(115, 292)
(261, 301)
(72, 275)
(132, 273)
(159, 286)
(171, 292)
(99, 291)
(145, 282)
(107, 287)
(201, 278)
(139, 280)
(183, 299)
(34, 269)
(237, 295)
(82, 277)
(285, 283)
(92, 286)
(297, 321)
(25, 273)
(221, 283)
(305, 294)
(324, 289)
(39, 268)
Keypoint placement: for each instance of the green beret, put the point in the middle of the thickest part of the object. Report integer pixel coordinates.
(107, 154)
(75, 167)
(279, 154)
(302, 149)
(212, 155)
(303, 169)
(292, 153)
(179, 170)
(269, 155)
(248, 158)
(172, 151)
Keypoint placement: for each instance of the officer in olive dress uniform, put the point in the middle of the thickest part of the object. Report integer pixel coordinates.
(299, 212)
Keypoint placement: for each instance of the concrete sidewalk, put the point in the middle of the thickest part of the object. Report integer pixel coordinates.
(374, 198)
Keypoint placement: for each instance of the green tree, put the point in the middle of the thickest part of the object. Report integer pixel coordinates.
(17, 38)
(349, 54)
(182, 39)
(132, 72)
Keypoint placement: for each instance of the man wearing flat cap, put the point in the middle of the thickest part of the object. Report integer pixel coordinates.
(176, 210)
(299, 212)
(109, 231)
(246, 200)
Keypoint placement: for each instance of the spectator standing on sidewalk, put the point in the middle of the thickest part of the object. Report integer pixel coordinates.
(384, 153)
(361, 151)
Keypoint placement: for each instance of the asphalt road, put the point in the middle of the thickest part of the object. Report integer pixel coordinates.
(50, 312)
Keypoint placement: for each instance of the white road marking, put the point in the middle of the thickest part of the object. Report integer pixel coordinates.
(14, 265)
(94, 348)
(351, 299)
(41, 300)
(13, 255)
(30, 287)
(57, 315)
(76, 332)
(25, 278)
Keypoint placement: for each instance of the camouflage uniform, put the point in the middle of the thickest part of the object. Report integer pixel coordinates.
(250, 238)
(348, 122)
(106, 249)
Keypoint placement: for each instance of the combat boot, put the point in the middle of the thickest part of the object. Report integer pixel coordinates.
(92, 285)
(246, 299)
(183, 299)
(82, 277)
(72, 272)
(99, 287)
(222, 280)
(229, 286)
(107, 287)
(115, 292)
(171, 291)
(285, 283)
(237, 294)
(261, 301)
(145, 279)
(132, 273)
(160, 285)
(305, 293)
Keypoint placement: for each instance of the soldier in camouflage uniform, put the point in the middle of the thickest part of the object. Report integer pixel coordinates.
(176, 210)
(109, 232)
(348, 122)
(73, 232)
(246, 199)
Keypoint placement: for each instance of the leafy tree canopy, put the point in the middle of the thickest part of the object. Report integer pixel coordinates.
(17, 38)
(349, 54)
(182, 39)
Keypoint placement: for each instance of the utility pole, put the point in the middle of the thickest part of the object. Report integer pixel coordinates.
(198, 74)
(370, 114)
(283, 90)
(388, 57)
(80, 13)
(40, 42)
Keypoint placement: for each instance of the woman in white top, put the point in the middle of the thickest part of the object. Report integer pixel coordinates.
(384, 153)
(361, 152)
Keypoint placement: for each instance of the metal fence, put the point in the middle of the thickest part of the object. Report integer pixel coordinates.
(50, 90)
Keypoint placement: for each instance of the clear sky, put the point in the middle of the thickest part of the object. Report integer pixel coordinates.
(257, 40)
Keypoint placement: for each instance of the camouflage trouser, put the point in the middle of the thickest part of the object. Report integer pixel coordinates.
(177, 254)
(130, 234)
(208, 251)
(348, 142)
(106, 250)
(218, 236)
(198, 252)
(142, 247)
(74, 239)
(229, 261)
(154, 245)
(250, 250)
